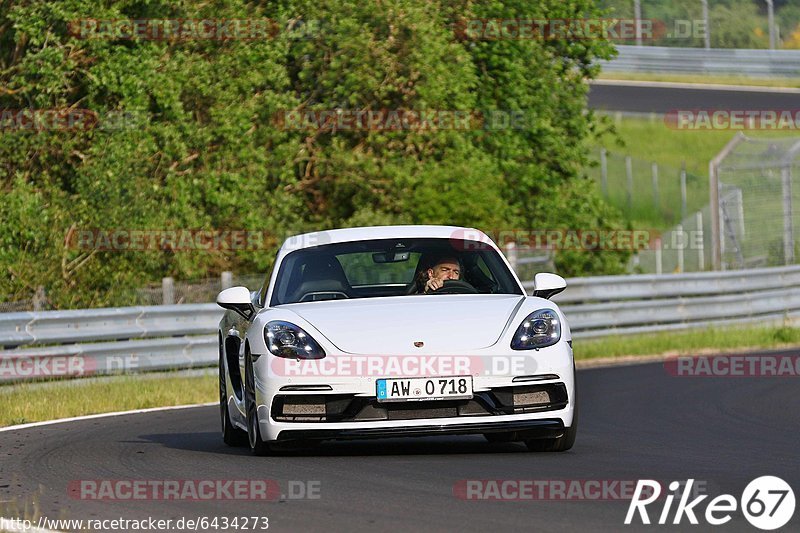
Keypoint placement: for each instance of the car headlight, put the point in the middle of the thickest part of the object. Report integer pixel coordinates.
(539, 329)
(285, 339)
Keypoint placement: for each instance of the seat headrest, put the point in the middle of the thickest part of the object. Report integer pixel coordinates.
(322, 274)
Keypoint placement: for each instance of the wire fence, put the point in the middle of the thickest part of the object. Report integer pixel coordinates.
(37, 302)
(651, 195)
(195, 291)
(758, 214)
(686, 247)
(19, 305)
(669, 202)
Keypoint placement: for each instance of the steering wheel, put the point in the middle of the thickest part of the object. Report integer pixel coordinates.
(455, 286)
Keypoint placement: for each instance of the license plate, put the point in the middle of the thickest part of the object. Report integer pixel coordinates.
(444, 388)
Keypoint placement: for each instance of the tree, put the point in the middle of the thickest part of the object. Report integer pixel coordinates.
(200, 138)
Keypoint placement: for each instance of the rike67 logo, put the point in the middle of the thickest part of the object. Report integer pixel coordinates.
(767, 503)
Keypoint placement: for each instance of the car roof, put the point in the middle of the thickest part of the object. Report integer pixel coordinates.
(318, 238)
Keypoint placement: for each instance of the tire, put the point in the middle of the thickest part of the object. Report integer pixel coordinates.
(558, 444)
(257, 445)
(231, 435)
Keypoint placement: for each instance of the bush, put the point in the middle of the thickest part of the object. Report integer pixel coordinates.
(201, 147)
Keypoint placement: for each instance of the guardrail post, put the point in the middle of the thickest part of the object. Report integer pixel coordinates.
(654, 172)
(683, 190)
(788, 230)
(717, 241)
(226, 280)
(168, 291)
(701, 253)
(680, 245)
(771, 22)
(39, 299)
(629, 175)
(604, 172)
(659, 268)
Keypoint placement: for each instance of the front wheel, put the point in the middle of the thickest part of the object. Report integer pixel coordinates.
(231, 435)
(257, 445)
(558, 444)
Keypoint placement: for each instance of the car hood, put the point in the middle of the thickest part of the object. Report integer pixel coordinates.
(446, 324)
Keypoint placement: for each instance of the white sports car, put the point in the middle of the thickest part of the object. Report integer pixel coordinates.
(350, 338)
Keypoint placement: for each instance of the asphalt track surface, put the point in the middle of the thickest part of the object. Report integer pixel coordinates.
(656, 98)
(636, 422)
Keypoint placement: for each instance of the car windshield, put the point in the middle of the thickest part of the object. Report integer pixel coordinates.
(387, 267)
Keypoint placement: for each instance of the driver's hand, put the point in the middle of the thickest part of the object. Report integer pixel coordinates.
(433, 284)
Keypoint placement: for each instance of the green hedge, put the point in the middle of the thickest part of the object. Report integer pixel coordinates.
(200, 146)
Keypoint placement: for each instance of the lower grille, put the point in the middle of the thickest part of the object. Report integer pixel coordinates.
(349, 408)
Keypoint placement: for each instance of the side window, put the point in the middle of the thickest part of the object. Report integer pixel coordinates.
(485, 268)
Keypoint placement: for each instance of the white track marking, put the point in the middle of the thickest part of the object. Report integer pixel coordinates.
(13, 526)
(103, 415)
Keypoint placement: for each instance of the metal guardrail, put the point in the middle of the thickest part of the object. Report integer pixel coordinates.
(666, 59)
(56, 327)
(653, 286)
(65, 343)
(612, 305)
(101, 341)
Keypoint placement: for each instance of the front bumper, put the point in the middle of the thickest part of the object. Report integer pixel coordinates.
(349, 409)
(525, 429)
(542, 424)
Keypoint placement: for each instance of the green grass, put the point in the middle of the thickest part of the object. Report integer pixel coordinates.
(654, 141)
(702, 78)
(33, 402)
(688, 342)
(648, 141)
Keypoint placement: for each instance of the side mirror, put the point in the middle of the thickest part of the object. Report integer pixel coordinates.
(548, 285)
(237, 299)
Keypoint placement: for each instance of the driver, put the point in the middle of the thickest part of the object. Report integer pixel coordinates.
(445, 268)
